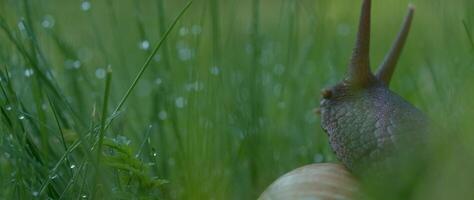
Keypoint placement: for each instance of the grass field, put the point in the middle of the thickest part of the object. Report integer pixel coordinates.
(224, 107)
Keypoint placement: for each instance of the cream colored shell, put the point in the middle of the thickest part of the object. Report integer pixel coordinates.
(326, 181)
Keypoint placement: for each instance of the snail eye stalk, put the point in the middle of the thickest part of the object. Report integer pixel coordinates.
(387, 67)
(359, 68)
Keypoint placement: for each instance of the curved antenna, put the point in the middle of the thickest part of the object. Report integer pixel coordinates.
(387, 67)
(359, 67)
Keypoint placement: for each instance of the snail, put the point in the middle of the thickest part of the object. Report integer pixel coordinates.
(370, 128)
(316, 181)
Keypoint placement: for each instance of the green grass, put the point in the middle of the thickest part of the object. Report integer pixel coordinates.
(222, 105)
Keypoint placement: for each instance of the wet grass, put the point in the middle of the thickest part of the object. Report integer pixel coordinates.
(221, 106)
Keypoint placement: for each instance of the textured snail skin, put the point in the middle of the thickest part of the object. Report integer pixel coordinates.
(314, 182)
(366, 126)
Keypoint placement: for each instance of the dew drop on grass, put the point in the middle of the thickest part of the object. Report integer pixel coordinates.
(35, 193)
(86, 5)
(120, 139)
(84, 196)
(180, 102)
(21, 25)
(195, 86)
(185, 53)
(144, 45)
(100, 73)
(48, 22)
(76, 64)
(196, 29)
(21, 117)
(73, 64)
(215, 70)
(155, 154)
(72, 166)
(29, 72)
(44, 106)
(158, 81)
(54, 176)
(183, 31)
(163, 115)
(8, 108)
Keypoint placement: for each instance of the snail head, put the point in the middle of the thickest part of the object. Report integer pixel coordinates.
(359, 75)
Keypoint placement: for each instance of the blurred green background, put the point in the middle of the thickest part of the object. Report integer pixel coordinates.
(226, 105)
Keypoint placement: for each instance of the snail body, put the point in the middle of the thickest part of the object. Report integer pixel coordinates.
(371, 129)
(369, 126)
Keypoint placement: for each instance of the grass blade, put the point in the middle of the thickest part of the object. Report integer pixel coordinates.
(149, 59)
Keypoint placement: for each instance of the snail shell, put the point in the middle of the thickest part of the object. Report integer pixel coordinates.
(327, 181)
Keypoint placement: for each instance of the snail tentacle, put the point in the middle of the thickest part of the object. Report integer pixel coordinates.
(359, 68)
(387, 67)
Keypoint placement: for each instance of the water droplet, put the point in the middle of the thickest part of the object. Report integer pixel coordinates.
(86, 5)
(76, 64)
(21, 117)
(155, 154)
(158, 81)
(29, 72)
(73, 166)
(183, 31)
(196, 86)
(54, 176)
(8, 108)
(73, 64)
(48, 22)
(84, 196)
(215, 70)
(120, 139)
(196, 29)
(163, 115)
(145, 45)
(185, 54)
(100, 73)
(35, 193)
(21, 26)
(44, 106)
(180, 102)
